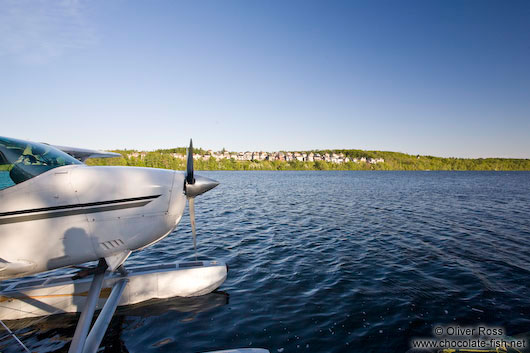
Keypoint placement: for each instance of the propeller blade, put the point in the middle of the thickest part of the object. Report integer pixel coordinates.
(191, 205)
(189, 165)
(194, 186)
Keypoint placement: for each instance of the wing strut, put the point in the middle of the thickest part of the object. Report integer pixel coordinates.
(81, 343)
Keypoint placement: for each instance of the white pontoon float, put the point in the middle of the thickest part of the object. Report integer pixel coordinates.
(65, 294)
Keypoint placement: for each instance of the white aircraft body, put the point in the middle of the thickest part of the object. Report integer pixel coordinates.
(55, 211)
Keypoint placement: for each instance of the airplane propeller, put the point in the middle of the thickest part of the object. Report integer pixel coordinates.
(194, 186)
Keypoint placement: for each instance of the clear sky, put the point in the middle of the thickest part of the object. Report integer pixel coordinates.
(445, 78)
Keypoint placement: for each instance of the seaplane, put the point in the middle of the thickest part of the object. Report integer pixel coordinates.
(57, 212)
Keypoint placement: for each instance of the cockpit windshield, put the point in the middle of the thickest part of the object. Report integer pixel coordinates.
(22, 160)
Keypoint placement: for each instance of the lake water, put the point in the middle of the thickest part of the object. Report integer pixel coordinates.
(335, 262)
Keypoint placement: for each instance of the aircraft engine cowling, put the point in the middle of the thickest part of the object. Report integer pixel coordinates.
(139, 206)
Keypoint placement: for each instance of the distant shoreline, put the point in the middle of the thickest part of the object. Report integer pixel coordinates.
(309, 160)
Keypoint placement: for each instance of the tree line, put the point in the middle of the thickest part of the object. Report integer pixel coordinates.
(393, 161)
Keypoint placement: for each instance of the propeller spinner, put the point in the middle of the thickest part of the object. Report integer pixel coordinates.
(194, 186)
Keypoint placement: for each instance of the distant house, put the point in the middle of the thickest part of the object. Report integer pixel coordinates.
(140, 155)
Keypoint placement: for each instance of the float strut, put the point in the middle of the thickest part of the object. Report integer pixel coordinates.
(100, 326)
(83, 325)
(10, 333)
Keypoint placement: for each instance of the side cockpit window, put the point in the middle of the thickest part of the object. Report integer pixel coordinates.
(5, 167)
(21, 160)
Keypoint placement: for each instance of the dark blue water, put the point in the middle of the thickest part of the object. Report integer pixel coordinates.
(336, 262)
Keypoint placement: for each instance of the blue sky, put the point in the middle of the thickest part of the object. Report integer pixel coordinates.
(445, 78)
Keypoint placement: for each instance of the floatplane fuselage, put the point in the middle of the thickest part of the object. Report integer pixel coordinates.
(56, 211)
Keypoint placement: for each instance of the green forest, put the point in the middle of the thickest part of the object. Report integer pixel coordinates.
(392, 161)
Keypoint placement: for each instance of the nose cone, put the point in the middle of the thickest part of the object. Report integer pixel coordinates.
(201, 185)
